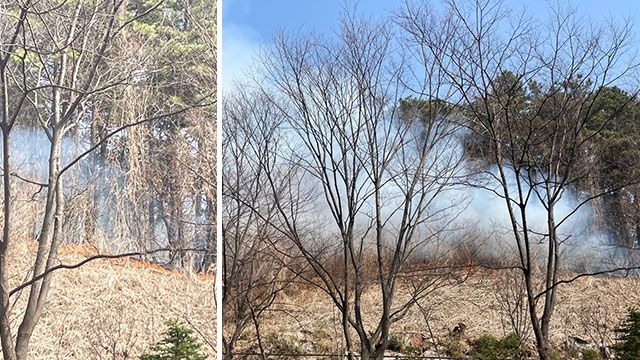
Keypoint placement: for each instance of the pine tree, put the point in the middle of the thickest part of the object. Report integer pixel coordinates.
(628, 347)
(178, 344)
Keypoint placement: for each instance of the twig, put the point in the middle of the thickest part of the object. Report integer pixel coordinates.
(625, 269)
(205, 338)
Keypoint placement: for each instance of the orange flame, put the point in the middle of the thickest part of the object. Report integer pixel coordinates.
(89, 250)
(82, 249)
(144, 264)
(469, 269)
(207, 275)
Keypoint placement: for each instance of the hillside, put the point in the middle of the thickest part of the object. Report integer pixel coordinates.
(113, 309)
(588, 309)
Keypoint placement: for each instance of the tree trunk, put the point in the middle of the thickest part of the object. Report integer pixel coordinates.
(48, 243)
(552, 272)
(8, 349)
(541, 343)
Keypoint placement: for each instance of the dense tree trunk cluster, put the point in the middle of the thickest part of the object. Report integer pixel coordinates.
(120, 95)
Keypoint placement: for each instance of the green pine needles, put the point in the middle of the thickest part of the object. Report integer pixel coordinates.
(488, 347)
(628, 347)
(178, 344)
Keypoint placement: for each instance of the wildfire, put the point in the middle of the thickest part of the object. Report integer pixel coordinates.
(206, 276)
(469, 269)
(89, 250)
(144, 264)
(82, 249)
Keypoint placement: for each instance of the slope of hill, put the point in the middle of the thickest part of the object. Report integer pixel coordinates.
(587, 310)
(112, 309)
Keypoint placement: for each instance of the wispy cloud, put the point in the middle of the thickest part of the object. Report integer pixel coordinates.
(240, 45)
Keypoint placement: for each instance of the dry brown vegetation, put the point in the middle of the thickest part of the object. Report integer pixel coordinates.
(113, 309)
(350, 153)
(588, 308)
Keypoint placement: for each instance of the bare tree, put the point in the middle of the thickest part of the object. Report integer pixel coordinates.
(256, 255)
(529, 92)
(511, 295)
(379, 168)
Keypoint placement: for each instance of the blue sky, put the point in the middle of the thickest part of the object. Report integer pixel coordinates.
(248, 24)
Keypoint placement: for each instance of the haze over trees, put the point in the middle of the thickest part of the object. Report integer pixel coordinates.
(365, 145)
(119, 94)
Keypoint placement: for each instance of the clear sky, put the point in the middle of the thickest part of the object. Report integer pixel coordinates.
(249, 24)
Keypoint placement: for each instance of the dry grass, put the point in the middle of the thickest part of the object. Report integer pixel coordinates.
(589, 308)
(112, 309)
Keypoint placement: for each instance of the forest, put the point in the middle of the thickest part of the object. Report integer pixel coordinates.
(108, 152)
(374, 175)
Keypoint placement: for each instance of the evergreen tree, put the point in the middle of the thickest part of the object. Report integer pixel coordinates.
(178, 344)
(628, 347)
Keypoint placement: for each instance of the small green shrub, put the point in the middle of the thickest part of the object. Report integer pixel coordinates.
(282, 344)
(488, 347)
(554, 354)
(397, 342)
(591, 354)
(320, 340)
(628, 347)
(455, 348)
(572, 352)
(178, 344)
(245, 335)
(411, 350)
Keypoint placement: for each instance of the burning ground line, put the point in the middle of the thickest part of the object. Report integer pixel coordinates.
(468, 269)
(90, 250)
(116, 257)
